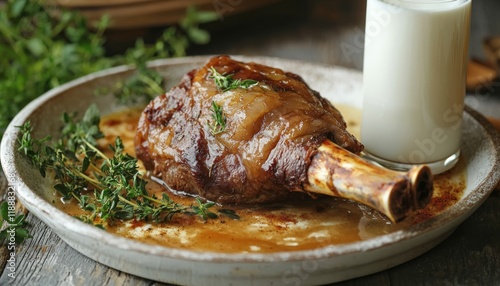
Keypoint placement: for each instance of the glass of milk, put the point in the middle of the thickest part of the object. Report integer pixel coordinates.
(416, 53)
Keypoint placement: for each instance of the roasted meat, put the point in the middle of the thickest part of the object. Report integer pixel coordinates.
(273, 133)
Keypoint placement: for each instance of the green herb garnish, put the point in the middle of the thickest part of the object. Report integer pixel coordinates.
(14, 227)
(43, 46)
(229, 213)
(219, 119)
(106, 187)
(227, 82)
(224, 83)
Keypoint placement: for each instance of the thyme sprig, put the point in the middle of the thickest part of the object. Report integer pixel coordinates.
(227, 82)
(224, 83)
(106, 187)
(219, 119)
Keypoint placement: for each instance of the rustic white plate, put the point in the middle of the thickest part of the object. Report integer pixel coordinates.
(328, 264)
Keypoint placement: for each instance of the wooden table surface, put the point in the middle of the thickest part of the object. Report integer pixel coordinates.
(312, 31)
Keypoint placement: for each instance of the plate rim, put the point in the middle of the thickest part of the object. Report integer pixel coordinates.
(484, 188)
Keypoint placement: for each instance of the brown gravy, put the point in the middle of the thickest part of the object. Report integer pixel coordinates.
(269, 228)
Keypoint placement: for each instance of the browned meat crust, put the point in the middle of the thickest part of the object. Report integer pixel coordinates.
(273, 129)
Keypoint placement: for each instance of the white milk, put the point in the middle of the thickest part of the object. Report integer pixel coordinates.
(414, 80)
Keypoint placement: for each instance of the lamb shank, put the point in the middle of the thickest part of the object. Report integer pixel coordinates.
(271, 139)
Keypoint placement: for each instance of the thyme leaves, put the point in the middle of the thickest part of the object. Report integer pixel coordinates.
(219, 119)
(227, 82)
(224, 83)
(108, 187)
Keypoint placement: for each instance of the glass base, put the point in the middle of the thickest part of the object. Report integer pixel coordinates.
(436, 167)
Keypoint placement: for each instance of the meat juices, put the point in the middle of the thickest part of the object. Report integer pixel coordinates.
(274, 129)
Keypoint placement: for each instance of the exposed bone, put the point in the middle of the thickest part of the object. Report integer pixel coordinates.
(336, 172)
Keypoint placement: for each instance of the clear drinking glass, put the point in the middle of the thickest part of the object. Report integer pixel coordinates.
(415, 62)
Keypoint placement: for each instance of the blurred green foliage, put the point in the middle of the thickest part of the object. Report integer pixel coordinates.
(43, 46)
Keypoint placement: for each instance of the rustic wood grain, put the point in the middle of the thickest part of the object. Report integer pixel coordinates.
(3, 188)
(20, 209)
(496, 123)
(46, 260)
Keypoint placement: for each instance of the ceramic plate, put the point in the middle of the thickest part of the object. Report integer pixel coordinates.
(323, 265)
